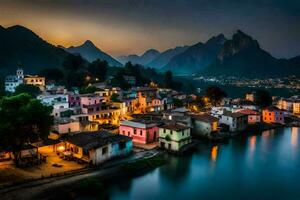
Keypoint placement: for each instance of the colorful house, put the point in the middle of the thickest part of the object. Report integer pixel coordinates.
(174, 137)
(97, 147)
(273, 115)
(141, 131)
(253, 116)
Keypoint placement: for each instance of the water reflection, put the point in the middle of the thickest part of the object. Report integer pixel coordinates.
(214, 153)
(265, 166)
(252, 143)
(294, 137)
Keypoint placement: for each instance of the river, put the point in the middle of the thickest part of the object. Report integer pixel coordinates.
(264, 166)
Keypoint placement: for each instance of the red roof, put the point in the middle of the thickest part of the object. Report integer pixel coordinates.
(248, 112)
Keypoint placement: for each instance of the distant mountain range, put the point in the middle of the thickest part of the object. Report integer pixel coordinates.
(243, 56)
(20, 46)
(144, 59)
(239, 56)
(91, 53)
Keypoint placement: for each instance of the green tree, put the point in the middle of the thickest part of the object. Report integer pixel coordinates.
(114, 97)
(168, 81)
(53, 75)
(75, 73)
(97, 70)
(177, 103)
(262, 98)
(32, 90)
(23, 120)
(2, 86)
(197, 104)
(215, 95)
(88, 90)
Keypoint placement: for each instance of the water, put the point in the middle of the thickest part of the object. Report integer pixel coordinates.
(265, 166)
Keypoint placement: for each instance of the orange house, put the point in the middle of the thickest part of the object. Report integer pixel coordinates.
(273, 115)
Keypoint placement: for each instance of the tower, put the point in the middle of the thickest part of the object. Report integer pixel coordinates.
(20, 73)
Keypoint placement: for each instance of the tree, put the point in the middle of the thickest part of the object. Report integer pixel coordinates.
(119, 81)
(168, 81)
(88, 90)
(23, 120)
(215, 95)
(32, 90)
(262, 98)
(197, 104)
(177, 103)
(114, 97)
(97, 70)
(2, 86)
(75, 71)
(53, 74)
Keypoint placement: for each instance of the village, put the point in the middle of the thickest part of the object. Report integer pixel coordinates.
(113, 125)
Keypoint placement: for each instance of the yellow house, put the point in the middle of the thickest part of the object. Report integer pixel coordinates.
(35, 80)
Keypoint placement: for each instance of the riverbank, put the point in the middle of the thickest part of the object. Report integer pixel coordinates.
(50, 187)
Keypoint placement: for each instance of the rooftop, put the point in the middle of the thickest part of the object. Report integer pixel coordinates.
(233, 115)
(93, 140)
(174, 127)
(205, 118)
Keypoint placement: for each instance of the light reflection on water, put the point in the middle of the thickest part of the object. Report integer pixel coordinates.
(265, 166)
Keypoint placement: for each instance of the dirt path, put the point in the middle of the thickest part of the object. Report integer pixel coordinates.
(33, 189)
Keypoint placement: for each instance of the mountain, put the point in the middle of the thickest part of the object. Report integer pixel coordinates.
(196, 57)
(144, 59)
(90, 52)
(243, 56)
(19, 45)
(165, 57)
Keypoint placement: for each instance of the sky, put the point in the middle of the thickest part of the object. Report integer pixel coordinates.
(132, 26)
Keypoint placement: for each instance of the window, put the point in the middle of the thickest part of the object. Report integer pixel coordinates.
(122, 145)
(164, 130)
(104, 150)
(134, 131)
(123, 132)
(141, 132)
(171, 132)
(182, 133)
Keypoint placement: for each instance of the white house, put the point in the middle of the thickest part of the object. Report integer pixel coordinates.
(235, 121)
(13, 81)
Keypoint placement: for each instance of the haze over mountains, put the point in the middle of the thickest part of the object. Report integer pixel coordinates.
(239, 56)
(91, 53)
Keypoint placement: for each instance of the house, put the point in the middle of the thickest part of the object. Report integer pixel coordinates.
(204, 125)
(35, 80)
(13, 81)
(140, 130)
(91, 99)
(253, 116)
(235, 121)
(251, 96)
(66, 125)
(174, 137)
(97, 147)
(285, 104)
(296, 107)
(273, 115)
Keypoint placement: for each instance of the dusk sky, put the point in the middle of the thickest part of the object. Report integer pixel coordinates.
(133, 26)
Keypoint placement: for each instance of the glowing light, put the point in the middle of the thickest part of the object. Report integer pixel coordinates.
(214, 153)
(252, 143)
(60, 148)
(294, 137)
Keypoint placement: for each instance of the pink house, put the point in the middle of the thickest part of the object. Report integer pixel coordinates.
(74, 100)
(253, 116)
(91, 99)
(141, 131)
